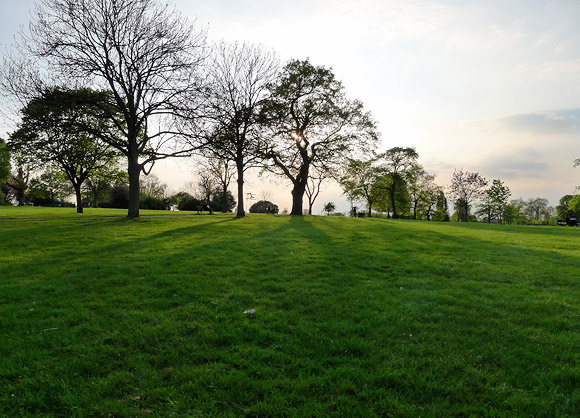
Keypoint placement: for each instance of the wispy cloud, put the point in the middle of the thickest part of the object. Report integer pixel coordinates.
(551, 122)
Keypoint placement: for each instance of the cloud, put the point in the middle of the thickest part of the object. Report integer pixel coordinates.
(545, 123)
(517, 164)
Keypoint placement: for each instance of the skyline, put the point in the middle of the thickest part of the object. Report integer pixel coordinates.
(492, 87)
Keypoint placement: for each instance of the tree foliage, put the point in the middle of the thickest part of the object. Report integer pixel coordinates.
(465, 189)
(313, 124)
(58, 127)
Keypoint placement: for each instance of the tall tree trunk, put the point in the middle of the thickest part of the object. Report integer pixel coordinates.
(134, 171)
(393, 204)
(310, 203)
(78, 196)
(240, 212)
(370, 210)
(298, 197)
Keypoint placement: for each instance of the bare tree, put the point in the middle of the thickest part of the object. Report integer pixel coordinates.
(466, 188)
(222, 171)
(146, 54)
(313, 186)
(238, 77)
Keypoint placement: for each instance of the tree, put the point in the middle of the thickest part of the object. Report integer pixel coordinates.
(313, 185)
(358, 181)
(537, 208)
(494, 201)
(312, 124)
(564, 210)
(574, 204)
(441, 207)
(238, 75)
(465, 189)
(397, 162)
(422, 190)
(50, 133)
(49, 188)
(329, 207)
(144, 53)
(100, 182)
(5, 168)
(222, 171)
(264, 206)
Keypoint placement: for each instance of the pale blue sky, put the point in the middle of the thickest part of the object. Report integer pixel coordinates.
(488, 86)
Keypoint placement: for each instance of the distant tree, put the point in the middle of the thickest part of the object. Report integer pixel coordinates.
(141, 50)
(465, 189)
(329, 207)
(99, 183)
(422, 190)
(358, 180)
(50, 133)
(429, 195)
(185, 201)
(397, 163)
(313, 186)
(392, 195)
(18, 181)
(537, 208)
(313, 124)
(223, 202)
(239, 75)
(441, 207)
(49, 188)
(222, 171)
(264, 206)
(494, 201)
(513, 214)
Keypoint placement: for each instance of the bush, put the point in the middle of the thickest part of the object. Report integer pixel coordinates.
(264, 206)
(188, 202)
(155, 203)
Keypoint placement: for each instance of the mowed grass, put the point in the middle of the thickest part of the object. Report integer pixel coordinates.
(104, 316)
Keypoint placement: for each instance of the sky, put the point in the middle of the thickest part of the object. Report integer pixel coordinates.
(487, 86)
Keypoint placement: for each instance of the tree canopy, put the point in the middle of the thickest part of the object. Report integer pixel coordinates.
(312, 123)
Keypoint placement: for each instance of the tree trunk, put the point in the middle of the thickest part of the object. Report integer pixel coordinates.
(393, 204)
(240, 212)
(134, 171)
(310, 203)
(298, 197)
(79, 199)
(370, 211)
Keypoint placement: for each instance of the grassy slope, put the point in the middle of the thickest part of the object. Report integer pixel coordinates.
(354, 317)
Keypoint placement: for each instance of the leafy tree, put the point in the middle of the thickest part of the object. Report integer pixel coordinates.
(18, 182)
(397, 163)
(537, 208)
(100, 182)
(313, 124)
(264, 206)
(358, 180)
(223, 203)
(329, 207)
(5, 168)
(49, 188)
(465, 189)
(49, 133)
(143, 52)
(494, 201)
(239, 75)
(513, 214)
(574, 204)
(564, 211)
(441, 207)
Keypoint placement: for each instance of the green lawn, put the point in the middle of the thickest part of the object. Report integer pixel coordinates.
(104, 316)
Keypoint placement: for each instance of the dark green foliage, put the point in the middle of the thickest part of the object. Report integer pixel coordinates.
(118, 198)
(188, 202)
(563, 209)
(217, 202)
(5, 168)
(264, 206)
(155, 203)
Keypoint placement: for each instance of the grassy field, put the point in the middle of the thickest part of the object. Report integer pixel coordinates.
(104, 316)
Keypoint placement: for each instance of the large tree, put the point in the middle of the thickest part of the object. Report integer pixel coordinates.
(50, 132)
(145, 53)
(312, 124)
(465, 189)
(238, 77)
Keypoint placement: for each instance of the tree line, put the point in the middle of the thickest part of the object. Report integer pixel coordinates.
(104, 83)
